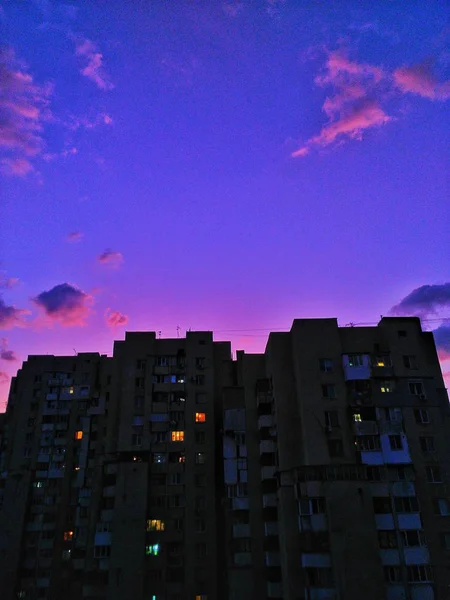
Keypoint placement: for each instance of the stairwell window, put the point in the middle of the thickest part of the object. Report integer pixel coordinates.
(325, 365)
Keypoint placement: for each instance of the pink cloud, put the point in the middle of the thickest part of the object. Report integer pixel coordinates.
(75, 122)
(419, 79)
(354, 104)
(75, 236)
(10, 316)
(8, 283)
(110, 258)
(65, 304)
(24, 108)
(94, 69)
(115, 318)
(4, 377)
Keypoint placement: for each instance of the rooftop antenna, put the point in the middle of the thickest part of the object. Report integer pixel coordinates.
(159, 334)
(74, 351)
(178, 331)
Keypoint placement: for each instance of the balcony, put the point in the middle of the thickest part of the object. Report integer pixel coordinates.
(109, 492)
(267, 446)
(265, 421)
(268, 472)
(365, 427)
(241, 530)
(272, 559)
(274, 589)
(356, 367)
(52, 396)
(47, 427)
(240, 504)
(243, 558)
(270, 500)
(391, 427)
(271, 528)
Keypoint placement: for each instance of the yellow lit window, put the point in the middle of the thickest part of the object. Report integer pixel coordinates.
(200, 417)
(177, 436)
(76, 468)
(357, 417)
(155, 525)
(67, 536)
(78, 435)
(71, 390)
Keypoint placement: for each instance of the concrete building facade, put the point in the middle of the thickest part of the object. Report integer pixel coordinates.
(318, 470)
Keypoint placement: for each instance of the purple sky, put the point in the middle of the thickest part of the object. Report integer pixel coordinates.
(219, 165)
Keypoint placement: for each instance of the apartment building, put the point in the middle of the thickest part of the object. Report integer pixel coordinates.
(341, 489)
(317, 470)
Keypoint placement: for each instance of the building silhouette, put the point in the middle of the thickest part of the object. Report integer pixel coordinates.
(318, 470)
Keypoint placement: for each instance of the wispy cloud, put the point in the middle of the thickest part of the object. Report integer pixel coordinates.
(94, 69)
(24, 107)
(10, 316)
(75, 236)
(420, 79)
(110, 258)
(5, 354)
(4, 377)
(65, 304)
(353, 105)
(424, 301)
(76, 122)
(115, 318)
(7, 283)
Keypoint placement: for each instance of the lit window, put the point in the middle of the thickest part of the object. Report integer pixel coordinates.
(155, 525)
(386, 386)
(177, 436)
(152, 550)
(200, 417)
(76, 468)
(201, 597)
(357, 417)
(78, 435)
(71, 390)
(67, 536)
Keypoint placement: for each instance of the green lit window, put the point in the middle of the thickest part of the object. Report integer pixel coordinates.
(152, 550)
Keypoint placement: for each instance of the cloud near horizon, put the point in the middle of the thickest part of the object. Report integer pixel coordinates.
(65, 304)
(6, 354)
(359, 92)
(10, 316)
(442, 340)
(4, 377)
(24, 107)
(110, 258)
(115, 318)
(94, 70)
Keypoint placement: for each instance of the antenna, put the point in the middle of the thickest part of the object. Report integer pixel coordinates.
(178, 331)
(159, 334)
(74, 351)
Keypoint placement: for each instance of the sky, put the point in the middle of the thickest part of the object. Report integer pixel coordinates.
(220, 165)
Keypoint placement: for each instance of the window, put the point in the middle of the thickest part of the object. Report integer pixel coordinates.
(176, 415)
(177, 436)
(381, 505)
(387, 539)
(200, 417)
(201, 597)
(200, 502)
(319, 577)
(433, 474)
(176, 478)
(199, 379)
(374, 474)
(65, 554)
(159, 457)
(78, 435)
(401, 473)
(200, 398)
(139, 382)
(159, 437)
(335, 448)
(331, 418)
(387, 386)
(200, 458)
(152, 550)
(178, 524)
(325, 365)
(138, 402)
(136, 439)
(445, 540)
(395, 442)
(239, 438)
(382, 360)
(30, 422)
(200, 525)
(422, 416)
(409, 361)
(357, 418)
(177, 501)
(329, 390)
(412, 538)
(200, 551)
(406, 504)
(419, 573)
(199, 362)
(200, 437)
(441, 507)
(311, 506)
(155, 525)
(68, 536)
(368, 443)
(427, 444)
(392, 574)
(140, 364)
(102, 551)
(416, 388)
(355, 360)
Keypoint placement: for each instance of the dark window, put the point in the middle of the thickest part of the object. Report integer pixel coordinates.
(422, 416)
(387, 539)
(406, 504)
(410, 361)
(395, 442)
(329, 390)
(326, 365)
(381, 505)
(392, 574)
(419, 573)
(445, 540)
(331, 418)
(433, 474)
(402, 333)
(427, 444)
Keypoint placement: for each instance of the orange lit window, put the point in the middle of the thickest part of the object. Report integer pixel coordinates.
(78, 435)
(177, 436)
(155, 525)
(68, 535)
(200, 417)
